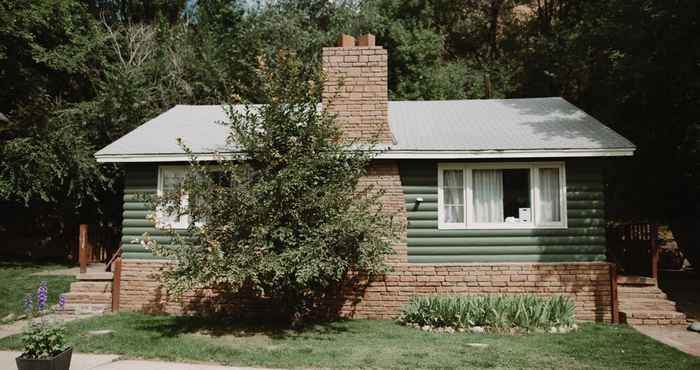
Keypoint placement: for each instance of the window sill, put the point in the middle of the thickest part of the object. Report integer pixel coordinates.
(501, 227)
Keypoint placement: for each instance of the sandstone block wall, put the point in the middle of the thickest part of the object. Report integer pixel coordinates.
(356, 91)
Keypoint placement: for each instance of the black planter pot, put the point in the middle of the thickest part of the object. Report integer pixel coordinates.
(58, 362)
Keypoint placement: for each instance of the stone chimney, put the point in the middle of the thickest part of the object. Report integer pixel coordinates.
(356, 88)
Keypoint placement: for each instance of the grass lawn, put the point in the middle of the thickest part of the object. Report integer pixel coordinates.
(16, 281)
(366, 343)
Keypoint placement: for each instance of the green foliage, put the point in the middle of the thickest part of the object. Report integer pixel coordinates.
(42, 340)
(296, 219)
(493, 311)
(77, 75)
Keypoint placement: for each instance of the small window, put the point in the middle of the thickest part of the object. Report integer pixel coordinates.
(501, 195)
(169, 179)
(453, 196)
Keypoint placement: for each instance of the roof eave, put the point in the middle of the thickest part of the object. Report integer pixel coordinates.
(388, 154)
(506, 153)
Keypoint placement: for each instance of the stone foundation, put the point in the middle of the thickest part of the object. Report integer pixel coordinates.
(588, 284)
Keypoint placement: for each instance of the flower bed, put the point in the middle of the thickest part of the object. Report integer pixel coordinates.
(499, 313)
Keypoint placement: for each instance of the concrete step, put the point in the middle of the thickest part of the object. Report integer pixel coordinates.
(88, 298)
(91, 286)
(95, 276)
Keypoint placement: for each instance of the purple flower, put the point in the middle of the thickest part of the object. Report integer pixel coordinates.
(42, 296)
(28, 305)
(61, 301)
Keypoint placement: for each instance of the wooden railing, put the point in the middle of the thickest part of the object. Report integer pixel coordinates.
(94, 246)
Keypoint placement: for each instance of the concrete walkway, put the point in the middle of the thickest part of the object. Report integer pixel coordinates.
(82, 361)
(675, 336)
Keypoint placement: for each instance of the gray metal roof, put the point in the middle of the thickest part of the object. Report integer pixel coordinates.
(537, 124)
(503, 124)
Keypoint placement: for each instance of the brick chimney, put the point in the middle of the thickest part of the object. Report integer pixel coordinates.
(356, 88)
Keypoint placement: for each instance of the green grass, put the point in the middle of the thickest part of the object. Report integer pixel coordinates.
(16, 281)
(365, 343)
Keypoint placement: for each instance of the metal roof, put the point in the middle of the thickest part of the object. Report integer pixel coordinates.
(536, 127)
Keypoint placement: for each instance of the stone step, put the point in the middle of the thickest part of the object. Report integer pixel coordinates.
(647, 306)
(86, 308)
(652, 314)
(91, 286)
(636, 280)
(88, 298)
(95, 276)
(638, 288)
(641, 294)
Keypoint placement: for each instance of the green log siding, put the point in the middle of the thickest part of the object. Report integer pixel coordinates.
(583, 240)
(141, 182)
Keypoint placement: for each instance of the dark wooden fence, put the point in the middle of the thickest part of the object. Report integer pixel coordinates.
(633, 247)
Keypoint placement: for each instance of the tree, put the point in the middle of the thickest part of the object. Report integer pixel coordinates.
(291, 220)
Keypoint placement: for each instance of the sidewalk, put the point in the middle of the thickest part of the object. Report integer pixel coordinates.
(82, 361)
(674, 336)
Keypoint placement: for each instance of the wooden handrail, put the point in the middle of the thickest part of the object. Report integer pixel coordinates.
(117, 254)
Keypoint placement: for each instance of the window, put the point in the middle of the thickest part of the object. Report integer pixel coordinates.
(169, 178)
(501, 195)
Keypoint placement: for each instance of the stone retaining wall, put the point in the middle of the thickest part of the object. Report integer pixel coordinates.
(588, 284)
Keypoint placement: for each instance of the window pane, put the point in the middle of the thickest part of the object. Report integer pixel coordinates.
(453, 178)
(502, 196)
(453, 214)
(488, 196)
(516, 196)
(453, 196)
(549, 195)
(172, 178)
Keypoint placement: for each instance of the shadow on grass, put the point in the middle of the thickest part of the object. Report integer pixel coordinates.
(219, 326)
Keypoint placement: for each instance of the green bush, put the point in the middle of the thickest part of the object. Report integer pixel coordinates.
(492, 311)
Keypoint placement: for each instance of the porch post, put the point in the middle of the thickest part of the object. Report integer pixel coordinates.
(82, 249)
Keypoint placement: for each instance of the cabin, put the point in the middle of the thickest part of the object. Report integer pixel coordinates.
(498, 196)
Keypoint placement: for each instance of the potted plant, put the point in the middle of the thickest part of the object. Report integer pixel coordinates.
(44, 341)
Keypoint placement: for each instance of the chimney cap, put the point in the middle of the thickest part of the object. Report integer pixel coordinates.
(366, 40)
(346, 41)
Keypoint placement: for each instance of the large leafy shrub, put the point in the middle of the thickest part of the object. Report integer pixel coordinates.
(494, 311)
(290, 219)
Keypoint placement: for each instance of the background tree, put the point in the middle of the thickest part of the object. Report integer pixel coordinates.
(66, 92)
(291, 220)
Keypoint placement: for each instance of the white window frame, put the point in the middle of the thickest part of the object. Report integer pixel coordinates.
(534, 167)
(184, 222)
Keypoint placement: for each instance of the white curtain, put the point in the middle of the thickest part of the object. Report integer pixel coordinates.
(549, 209)
(453, 194)
(488, 196)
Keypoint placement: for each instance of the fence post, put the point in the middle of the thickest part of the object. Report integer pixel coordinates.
(83, 248)
(116, 283)
(654, 252)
